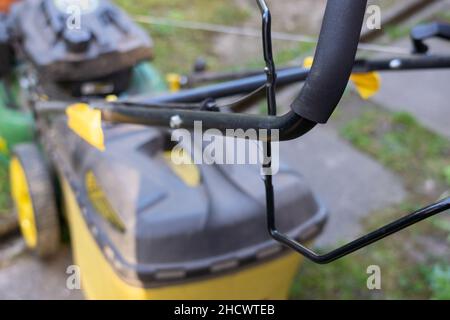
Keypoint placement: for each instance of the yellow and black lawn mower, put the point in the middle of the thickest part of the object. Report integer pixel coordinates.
(141, 226)
(146, 221)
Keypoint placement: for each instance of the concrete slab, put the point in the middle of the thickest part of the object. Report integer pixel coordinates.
(425, 94)
(351, 184)
(26, 277)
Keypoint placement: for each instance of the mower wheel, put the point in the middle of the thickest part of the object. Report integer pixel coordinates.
(34, 199)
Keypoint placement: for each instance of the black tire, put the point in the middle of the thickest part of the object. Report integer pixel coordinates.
(42, 194)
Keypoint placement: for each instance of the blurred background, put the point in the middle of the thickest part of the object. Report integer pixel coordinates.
(375, 161)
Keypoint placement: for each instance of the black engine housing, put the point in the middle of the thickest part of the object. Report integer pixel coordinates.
(77, 42)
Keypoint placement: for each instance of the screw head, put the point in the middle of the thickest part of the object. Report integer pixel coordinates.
(395, 64)
(175, 122)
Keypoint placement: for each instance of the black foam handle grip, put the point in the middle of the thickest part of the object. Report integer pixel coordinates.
(333, 61)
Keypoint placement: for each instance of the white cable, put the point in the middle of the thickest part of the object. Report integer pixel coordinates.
(251, 32)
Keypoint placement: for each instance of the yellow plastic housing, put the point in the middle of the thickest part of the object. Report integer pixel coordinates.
(87, 124)
(269, 280)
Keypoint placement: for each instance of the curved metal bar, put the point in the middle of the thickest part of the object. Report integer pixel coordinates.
(290, 125)
(359, 243)
(227, 89)
(268, 57)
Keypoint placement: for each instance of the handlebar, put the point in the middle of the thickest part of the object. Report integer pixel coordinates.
(333, 61)
(323, 89)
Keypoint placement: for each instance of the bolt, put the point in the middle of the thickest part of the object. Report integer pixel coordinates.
(175, 122)
(395, 64)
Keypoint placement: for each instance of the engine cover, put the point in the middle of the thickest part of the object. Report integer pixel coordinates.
(74, 40)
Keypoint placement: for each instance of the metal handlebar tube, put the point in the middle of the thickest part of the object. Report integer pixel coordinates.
(290, 75)
(290, 125)
(195, 79)
(402, 64)
(268, 57)
(359, 243)
(271, 99)
(229, 88)
(361, 65)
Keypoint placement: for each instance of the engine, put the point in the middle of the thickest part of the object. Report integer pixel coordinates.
(87, 47)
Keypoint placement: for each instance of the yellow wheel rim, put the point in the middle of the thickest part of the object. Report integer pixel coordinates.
(24, 205)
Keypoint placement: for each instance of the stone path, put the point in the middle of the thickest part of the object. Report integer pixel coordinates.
(422, 93)
(26, 277)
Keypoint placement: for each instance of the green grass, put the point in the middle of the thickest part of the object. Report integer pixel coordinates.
(444, 16)
(397, 32)
(176, 49)
(439, 279)
(399, 142)
(447, 174)
(283, 57)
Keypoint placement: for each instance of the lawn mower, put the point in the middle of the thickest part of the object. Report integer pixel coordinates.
(140, 226)
(147, 222)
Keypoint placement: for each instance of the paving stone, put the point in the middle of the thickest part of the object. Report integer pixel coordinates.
(425, 93)
(350, 184)
(30, 278)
